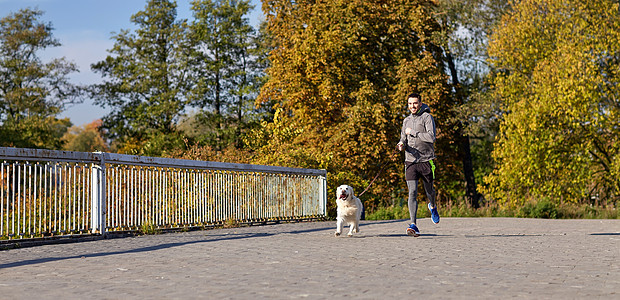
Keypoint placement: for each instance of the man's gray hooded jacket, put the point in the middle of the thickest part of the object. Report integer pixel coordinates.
(419, 145)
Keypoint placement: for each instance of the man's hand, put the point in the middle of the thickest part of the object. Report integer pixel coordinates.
(410, 132)
(399, 147)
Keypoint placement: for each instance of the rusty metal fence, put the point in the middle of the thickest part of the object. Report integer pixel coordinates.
(47, 193)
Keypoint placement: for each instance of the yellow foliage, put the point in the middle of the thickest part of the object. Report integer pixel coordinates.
(340, 72)
(557, 65)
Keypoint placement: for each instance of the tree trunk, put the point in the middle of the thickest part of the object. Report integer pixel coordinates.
(463, 141)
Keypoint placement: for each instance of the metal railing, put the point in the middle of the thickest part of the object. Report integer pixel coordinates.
(47, 193)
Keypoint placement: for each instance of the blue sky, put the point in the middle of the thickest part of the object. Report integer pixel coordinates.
(84, 28)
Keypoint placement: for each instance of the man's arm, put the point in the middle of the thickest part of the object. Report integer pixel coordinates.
(429, 125)
(403, 138)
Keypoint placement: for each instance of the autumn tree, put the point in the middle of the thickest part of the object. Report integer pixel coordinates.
(339, 76)
(146, 81)
(558, 78)
(85, 138)
(32, 92)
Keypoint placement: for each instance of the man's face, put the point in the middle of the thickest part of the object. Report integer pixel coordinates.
(413, 104)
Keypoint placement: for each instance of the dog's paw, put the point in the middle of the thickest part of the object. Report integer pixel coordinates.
(349, 234)
(336, 233)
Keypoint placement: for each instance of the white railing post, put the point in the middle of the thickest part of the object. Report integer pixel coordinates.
(323, 196)
(98, 196)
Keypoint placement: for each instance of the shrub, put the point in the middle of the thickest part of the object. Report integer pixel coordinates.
(540, 209)
(544, 209)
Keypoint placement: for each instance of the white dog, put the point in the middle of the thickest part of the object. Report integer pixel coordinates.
(349, 210)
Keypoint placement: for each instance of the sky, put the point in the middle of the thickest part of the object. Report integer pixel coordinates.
(85, 28)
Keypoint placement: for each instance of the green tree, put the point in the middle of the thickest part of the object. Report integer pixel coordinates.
(146, 80)
(339, 75)
(32, 93)
(226, 68)
(558, 78)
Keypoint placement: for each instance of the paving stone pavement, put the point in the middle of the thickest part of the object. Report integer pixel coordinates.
(462, 258)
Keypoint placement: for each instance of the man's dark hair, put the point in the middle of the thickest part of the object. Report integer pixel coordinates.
(415, 95)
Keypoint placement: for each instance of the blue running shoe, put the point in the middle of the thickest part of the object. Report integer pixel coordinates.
(434, 214)
(412, 230)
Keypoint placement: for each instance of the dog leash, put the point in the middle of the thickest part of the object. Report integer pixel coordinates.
(376, 176)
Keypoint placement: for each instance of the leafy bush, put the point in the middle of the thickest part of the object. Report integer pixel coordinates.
(544, 209)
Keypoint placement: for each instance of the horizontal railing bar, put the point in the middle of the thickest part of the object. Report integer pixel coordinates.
(210, 165)
(114, 158)
(7, 153)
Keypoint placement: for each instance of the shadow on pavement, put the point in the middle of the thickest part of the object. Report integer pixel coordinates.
(211, 238)
(397, 235)
(606, 233)
(138, 250)
(328, 226)
(504, 235)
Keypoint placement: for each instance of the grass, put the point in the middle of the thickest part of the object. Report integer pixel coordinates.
(231, 223)
(541, 209)
(148, 228)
